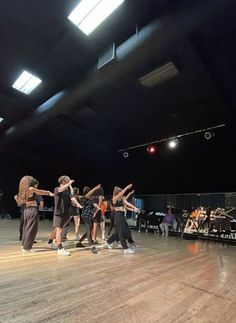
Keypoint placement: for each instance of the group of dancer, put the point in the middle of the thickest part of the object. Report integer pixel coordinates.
(68, 203)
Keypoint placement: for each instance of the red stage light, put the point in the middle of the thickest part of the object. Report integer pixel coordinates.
(151, 149)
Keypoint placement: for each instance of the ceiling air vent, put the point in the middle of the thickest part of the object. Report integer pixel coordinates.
(159, 75)
(107, 57)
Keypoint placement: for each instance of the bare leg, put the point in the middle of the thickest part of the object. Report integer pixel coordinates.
(95, 228)
(58, 235)
(102, 226)
(77, 224)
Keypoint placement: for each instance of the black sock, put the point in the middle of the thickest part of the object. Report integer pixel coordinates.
(60, 246)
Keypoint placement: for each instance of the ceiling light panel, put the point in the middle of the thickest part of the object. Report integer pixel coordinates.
(26, 83)
(89, 14)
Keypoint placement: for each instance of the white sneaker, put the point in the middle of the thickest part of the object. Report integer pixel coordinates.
(26, 251)
(132, 245)
(107, 246)
(63, 252)
(51, 246)
(114, 245)
(128, 251)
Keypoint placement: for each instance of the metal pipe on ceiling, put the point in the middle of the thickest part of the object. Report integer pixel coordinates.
(151, 41)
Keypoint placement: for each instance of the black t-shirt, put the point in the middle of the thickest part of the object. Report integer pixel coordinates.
(62, 201)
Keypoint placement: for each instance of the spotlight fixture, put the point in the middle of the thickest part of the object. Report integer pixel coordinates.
(125, 154)
(151, 149)
(173, 143)
(208, 135)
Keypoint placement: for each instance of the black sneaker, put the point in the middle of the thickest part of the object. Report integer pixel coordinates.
(79, 245)
(94, 250)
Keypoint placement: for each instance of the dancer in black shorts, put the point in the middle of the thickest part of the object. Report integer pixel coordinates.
(62, 199)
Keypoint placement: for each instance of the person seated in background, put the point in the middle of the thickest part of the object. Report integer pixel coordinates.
(142, 219)
(167, 222)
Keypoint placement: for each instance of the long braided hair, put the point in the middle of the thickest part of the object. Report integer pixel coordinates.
(24, 193)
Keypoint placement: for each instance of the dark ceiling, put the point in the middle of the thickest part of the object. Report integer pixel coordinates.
(98, 112)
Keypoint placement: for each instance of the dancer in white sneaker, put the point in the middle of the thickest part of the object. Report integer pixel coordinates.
(123, 233)
(62, 200)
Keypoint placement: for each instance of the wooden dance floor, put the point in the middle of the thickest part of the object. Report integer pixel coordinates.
(166, 280)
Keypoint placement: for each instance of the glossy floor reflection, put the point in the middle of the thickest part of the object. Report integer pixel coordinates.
(166, 280)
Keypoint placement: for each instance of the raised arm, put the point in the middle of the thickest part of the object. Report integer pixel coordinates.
(120, 195)
(64, 187)
(128, 196)
(92, 191)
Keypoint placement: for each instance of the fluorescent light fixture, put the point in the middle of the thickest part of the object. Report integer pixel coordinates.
(89, 14)
(159, 75)
(1, 119)
(26, 82)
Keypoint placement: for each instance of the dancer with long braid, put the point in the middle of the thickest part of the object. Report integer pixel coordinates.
(27, 196)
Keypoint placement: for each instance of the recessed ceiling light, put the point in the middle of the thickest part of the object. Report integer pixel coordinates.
(26, 82)
(89, 14)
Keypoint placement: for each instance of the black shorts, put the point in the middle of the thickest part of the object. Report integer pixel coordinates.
(74, 211)
(98, 217)
(60, 220)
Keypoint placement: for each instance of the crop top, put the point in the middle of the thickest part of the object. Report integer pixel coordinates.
(31, 198)
(119, 203)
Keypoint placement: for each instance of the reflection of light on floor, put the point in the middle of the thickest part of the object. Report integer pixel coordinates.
(193, 248)
(224, 273)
